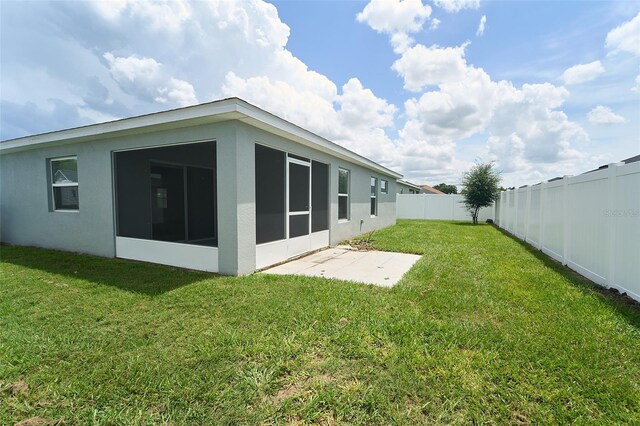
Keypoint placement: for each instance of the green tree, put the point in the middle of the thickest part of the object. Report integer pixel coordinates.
(447, 189)
(481, 187)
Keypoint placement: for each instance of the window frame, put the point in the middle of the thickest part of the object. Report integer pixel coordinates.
(345, 195)
(373, 188)
(384, 190)
(76, 184)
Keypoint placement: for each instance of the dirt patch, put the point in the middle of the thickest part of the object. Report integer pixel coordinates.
(520, 418)
(622, 298)
(286, 393)
(39, 421)
(343, 321)
(17, 388)
(300, 387)
(361, 245)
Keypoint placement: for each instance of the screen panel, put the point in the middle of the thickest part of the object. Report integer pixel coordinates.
(298, 188)
(201, 208)
(298, 225)
(135, 197)
(270, 194)
(319, 196)
(167, 203)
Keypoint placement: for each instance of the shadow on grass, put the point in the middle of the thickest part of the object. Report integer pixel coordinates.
(137, 277)
(622, 304)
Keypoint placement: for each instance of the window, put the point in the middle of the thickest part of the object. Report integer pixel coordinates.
(384, 187)
(343, 194)
(64, 184)
(374, 196)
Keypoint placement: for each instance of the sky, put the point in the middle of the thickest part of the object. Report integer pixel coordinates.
(542, 88)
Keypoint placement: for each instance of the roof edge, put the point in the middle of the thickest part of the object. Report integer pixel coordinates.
(240, 107)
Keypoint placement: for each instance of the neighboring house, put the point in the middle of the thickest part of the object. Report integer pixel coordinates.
(429, 190)
(406, 187)
(223, 186)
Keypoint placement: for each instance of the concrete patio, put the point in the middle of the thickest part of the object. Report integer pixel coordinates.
(379, 268)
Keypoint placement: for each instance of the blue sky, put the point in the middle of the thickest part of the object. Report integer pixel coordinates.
(545, 89)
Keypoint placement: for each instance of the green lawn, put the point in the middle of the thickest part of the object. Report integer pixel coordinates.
(483, 329)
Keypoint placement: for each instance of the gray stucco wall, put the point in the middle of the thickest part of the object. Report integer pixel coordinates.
(360, 219)
(26, 217)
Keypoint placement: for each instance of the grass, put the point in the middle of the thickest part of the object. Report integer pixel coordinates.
(483, 329)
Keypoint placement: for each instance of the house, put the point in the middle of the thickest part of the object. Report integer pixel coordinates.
(406, 187)
(223, 187)
(430, 190)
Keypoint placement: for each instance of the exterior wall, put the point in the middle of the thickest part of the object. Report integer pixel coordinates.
(401, 188)
(26, 217)
(360, 219)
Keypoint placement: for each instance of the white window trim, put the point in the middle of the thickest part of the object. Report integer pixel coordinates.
(346, 195)
(61, 185)
(386, 187)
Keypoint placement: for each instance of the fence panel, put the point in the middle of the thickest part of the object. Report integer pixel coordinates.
(437, 207)
(625, 215)
(587, 243)
(553, 225)
(533, 229)
(590, 222)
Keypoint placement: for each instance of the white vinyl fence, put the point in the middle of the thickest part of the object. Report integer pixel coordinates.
(442, 207)
(590, 222)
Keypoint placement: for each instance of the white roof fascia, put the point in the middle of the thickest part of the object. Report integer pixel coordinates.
(225, 109)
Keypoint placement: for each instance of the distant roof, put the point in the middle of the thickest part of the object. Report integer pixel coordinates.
(407, 183)
(632, 159)
(210, 112)
(430, 190)
(629, 160)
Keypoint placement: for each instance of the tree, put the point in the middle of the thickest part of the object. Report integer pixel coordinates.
(447, 189)
(481, 187)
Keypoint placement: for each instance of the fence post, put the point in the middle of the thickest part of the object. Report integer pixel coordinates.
(543, 201)
(565, 219)
(527, 218)
(514, 231)
(503, 196)
(610, 227)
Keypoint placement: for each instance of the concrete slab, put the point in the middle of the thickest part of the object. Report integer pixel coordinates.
(369, 267)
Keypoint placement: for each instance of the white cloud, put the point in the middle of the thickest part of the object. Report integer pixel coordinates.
(540, 133)
(523, 124)
(148, 79)
(206, 50)
(435, 23)
(169, 15)
(392, 16)
(582, 73)
(360, 108)
(457, 5)
(603, 115)
(636, 88)
(401, 42)
(481, 25)
(625, 37)
(422, 66)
